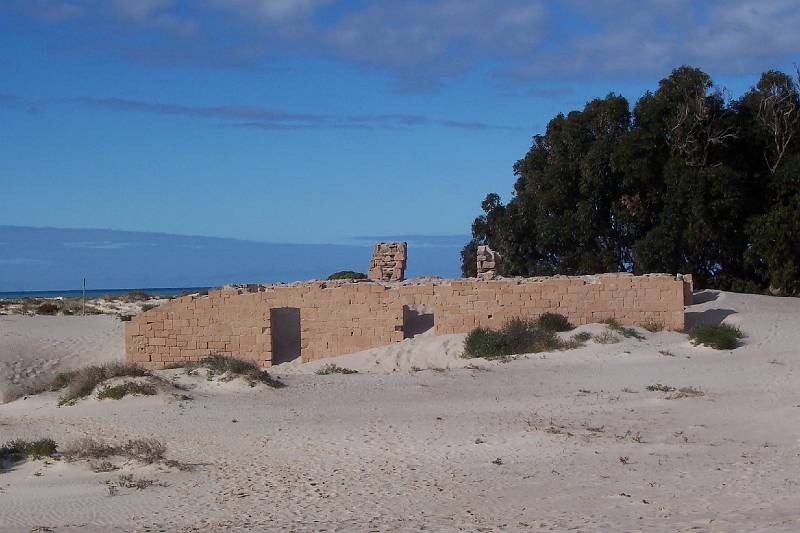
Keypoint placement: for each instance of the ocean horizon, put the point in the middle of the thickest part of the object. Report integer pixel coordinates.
(96, 293)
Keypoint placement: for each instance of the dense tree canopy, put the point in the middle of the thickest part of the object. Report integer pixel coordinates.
(688, 181)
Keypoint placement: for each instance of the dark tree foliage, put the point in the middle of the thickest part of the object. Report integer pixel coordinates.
(688, 181)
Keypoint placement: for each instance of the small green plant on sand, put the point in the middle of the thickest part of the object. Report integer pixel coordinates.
(658, 387)
(614, 325)
(518, 336)
(233, 366)
(19, 450)
(335, 369)
(718, 336)
(118, 392)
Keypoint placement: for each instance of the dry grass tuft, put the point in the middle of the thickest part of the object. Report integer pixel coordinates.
(606, 337)
(684, 392)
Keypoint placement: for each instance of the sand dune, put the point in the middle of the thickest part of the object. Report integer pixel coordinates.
(564, 440)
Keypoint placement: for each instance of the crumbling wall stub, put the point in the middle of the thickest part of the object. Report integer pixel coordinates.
(388, 261)
(490, 263)
(347, 317)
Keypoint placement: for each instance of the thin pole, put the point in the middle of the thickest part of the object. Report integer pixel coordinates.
(84, 296)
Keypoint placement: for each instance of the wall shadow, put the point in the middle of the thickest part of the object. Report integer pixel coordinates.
(709, 316)
(416, 321)
(701, 297)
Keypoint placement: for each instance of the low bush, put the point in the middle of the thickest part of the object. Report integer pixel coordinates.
(652, 326)
(718, 336)
(125, 318)
(347, 274)
(335, 369)
(517, 336)
(554, 322)
(607, 337)
(582, 337)
(19, 450)
(148, 307)
(47, 308)
(88, 448)
(81, 383)
(146, 451)
(614, 325)
(658, 387)
(136, 295)
(236, 367)
(117, 392)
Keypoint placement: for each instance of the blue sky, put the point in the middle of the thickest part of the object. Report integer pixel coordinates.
(315, 121)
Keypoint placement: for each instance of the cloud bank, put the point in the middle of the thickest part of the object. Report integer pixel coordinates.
(424, 43)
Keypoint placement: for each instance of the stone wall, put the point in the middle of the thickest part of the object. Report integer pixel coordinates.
(388, 261)
(633, 300)
(343, 317)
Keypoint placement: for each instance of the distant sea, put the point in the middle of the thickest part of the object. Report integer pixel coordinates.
(96, 293)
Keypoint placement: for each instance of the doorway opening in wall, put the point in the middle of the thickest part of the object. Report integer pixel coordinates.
(285, 323)
(417, 319)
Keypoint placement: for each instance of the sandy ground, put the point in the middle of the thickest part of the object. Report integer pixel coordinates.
(35, 348)
(556, 441)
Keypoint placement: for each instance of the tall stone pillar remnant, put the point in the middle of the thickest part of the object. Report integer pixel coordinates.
(388, 261)
(490, 263)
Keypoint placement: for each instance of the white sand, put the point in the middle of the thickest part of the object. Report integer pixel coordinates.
(579, 441)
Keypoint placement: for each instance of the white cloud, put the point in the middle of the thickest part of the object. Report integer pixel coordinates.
(270, 11)
(422, 42)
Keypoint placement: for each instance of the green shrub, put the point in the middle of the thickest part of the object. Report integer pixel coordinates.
(583, 336)
(125, 318)
(335, 369)
(136, 295)
(239, 367)
(719, 336)
(347, 274)
(47, 308)
(147, 307)
(19, 450)
(517, 336)
(554, 322)
(614, 325)
(118, 392)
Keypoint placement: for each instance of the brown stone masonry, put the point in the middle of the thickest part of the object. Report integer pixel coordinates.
(275, 323)
(388, 261)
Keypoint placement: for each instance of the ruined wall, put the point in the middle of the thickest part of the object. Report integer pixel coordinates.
(633, 300)
(344, 317)
(388, 261)
(490, 263)
(335, 319)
